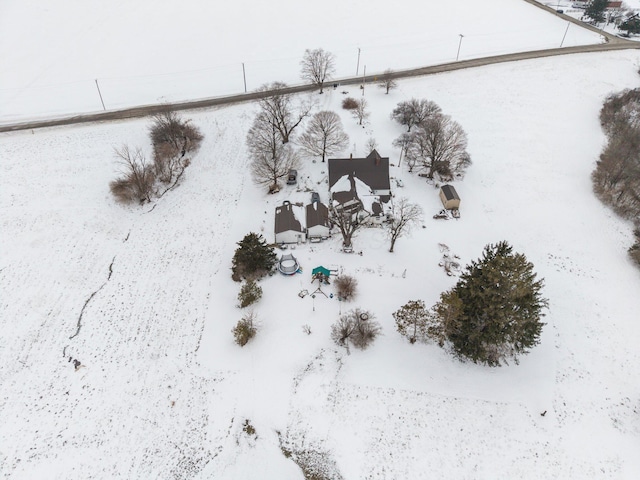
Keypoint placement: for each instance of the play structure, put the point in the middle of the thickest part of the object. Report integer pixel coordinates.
(322, 275)
(288, 264)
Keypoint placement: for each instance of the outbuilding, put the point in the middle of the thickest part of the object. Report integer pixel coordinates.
(288, 227)
(449, 197)
(318, 226)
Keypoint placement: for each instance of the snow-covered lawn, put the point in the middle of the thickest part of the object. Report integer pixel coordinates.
(143, 299)
(56, 54)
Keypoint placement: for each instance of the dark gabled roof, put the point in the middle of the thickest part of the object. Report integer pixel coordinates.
(345, 197)
(317, 214)
(286, 220)
(372, 170)
(450, 192)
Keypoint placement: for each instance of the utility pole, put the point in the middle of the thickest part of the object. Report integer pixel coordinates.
(244, 77)
(565, 34)
(358, 64)
(459, 45)
(99, 93)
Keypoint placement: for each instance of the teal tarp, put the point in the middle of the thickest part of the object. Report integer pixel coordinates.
(322, 270)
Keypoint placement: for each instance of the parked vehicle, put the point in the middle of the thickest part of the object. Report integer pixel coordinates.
(315, 197)
(292, 177)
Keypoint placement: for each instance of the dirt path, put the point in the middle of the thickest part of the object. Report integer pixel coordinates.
(612, 43)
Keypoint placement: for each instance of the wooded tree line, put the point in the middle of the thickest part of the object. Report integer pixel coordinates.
(616, 179)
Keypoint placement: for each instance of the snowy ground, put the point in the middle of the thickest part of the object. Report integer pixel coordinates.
(54, 52)
(143, 299)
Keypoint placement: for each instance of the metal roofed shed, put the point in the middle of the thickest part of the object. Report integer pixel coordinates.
(449, 197)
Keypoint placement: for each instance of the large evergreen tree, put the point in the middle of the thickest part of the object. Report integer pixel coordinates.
(595, 10)
(493, 314)
(253, 258)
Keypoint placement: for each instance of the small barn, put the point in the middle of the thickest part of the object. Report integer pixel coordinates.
(288, 227)
(317, 221)
(449, 197)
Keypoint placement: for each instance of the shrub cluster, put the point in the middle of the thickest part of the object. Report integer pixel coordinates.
(250, 293)
(172, 139)
(349, 103)
(346, 287)
(356, 327)
(245, 329)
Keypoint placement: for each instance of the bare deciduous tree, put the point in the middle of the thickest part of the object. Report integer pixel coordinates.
(345, 287)
(271, 160)
(405, 216)
(357, 327)
(403, 142)
(360, 112)
(279, 109)
(347, 220)
(387, 81)
(440, 147)
(172, 138)
(137, 178)
(414, 112)
(168, 127)
(324, 135)
(317, 66)
(371, 145)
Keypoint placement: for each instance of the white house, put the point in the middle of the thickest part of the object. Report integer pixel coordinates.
(318, 225)
(289, 224)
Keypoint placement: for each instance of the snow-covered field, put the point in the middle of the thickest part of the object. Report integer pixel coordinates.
(142, 301)
(162, 390)
(56, 54)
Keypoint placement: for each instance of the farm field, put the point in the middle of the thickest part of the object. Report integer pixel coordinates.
(86, 53)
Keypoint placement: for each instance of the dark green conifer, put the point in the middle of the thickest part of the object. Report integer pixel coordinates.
(494, 312)
(253, 258)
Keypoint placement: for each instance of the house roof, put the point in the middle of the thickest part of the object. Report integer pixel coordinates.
(286, 219)
(450, 192)
(317, 214)
(372, 170)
